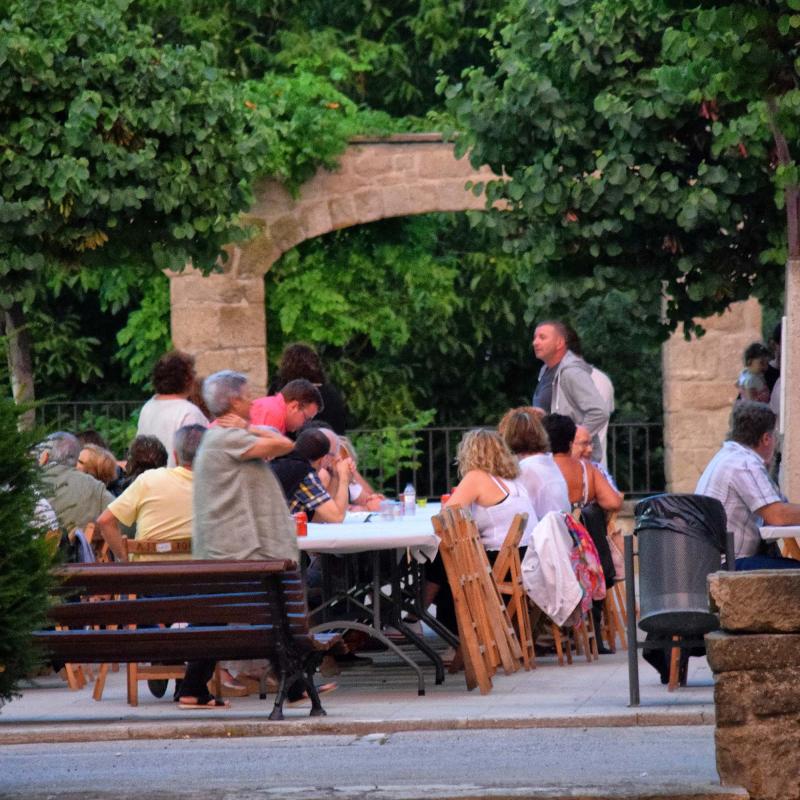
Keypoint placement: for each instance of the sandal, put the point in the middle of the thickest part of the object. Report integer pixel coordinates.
(195, 704)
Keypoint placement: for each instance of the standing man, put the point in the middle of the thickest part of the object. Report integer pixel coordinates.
(737, 476)
(239, 511)
(565, 383)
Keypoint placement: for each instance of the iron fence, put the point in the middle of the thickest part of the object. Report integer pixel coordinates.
(391, 457)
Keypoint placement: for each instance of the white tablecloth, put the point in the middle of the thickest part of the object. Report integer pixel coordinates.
(414, 532)
(772, 532)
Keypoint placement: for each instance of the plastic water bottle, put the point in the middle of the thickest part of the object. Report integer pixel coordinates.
(409, 499)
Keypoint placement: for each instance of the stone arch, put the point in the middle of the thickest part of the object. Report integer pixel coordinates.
(220, 318)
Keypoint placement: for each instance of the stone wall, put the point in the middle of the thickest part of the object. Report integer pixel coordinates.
(221, 318)
(755, 658)
(699, 378)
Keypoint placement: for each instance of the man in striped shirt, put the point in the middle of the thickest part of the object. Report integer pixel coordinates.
(738, 477)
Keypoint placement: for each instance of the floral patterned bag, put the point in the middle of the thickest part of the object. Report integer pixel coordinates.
(586, 563)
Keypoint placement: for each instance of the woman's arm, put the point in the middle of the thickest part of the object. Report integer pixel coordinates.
(607, 497)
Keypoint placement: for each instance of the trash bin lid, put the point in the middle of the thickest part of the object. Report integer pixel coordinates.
(692, 515)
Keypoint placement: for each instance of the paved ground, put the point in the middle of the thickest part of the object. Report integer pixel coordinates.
(414, 764)
(379, 697)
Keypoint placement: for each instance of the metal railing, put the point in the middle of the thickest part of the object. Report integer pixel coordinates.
(391, 457)
(426, 457)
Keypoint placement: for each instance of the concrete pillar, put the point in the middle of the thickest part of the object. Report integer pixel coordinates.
(699, 389)
(791, 411)
(220, 319)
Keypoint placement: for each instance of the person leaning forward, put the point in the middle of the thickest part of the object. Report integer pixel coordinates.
(239, 511)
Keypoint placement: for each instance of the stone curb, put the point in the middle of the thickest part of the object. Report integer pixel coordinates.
(41, 733)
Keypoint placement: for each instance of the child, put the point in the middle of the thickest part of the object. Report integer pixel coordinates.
(751, 383)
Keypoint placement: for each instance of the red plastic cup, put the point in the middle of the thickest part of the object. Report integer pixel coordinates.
(301, 521)
(445, 498)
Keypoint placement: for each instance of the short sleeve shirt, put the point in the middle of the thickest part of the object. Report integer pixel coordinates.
(240, 511)
(159, 501)
(309, 495)
(545, 484)
(738, 478)
(269, 410)
(161, 418)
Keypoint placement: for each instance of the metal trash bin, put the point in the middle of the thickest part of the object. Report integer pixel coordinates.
(682, 538)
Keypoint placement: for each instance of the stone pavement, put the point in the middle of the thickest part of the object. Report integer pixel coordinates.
(381, 697)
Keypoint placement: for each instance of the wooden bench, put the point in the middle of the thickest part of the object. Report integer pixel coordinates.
(235, 609)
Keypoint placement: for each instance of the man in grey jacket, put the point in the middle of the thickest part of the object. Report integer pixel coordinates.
(565, 383)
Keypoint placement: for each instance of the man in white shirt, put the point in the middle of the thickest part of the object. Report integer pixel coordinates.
(738, 477)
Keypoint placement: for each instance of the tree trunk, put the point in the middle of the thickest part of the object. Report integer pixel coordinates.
(20, 364)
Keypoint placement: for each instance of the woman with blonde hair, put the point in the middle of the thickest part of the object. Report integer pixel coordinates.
(97, 462)
(490, 487)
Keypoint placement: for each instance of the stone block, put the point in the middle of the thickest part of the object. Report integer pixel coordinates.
(215, 289)
(315, 219)
(761, 757)
(398, 201)
(696, 430)
(369, 205)
(403, 162)
(373, 163)
(741, 697)
(454, 196)
(286, 232)
(701, 396)
(439, 161)
(343, 212)
(762, 601)
(250, 361)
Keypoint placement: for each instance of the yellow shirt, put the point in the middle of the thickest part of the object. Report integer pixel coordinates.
(159, 501)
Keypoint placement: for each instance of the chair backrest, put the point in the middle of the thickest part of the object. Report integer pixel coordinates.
(510, 547)
(168, 549)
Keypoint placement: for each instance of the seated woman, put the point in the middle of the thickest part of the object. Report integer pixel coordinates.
(362, 495)
(97, 462)
(491, 489)
(527, 439)
(585, 483)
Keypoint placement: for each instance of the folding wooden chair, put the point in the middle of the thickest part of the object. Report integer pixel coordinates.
(507, 572)
(486, 635)
(148, 672)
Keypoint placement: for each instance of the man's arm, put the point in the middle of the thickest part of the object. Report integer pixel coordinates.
(271, 443)
(780, 514)
(334, 510)
(108, 527)
(582, 394)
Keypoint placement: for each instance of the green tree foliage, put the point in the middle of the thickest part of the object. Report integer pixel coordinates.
(25, 558)
(611, 169)
(114, 150)
(424, 313)
(739, 61)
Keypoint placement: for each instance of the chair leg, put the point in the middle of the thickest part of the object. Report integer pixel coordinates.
(557, 641)
(674, 666)
(100, 683)
(133, 684)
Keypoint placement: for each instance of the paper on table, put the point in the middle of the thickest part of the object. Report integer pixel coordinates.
(771, 532)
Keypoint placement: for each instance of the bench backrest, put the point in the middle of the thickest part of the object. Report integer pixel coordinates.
(239, 609)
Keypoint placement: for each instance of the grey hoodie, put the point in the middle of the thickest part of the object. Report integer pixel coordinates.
(576, 396)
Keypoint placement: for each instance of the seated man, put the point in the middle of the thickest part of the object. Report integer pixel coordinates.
(76, 497)
(299, 478)
(159, 501)
(289, 409)
(738, 477)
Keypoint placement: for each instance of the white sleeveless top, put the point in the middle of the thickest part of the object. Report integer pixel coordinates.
(494, 521)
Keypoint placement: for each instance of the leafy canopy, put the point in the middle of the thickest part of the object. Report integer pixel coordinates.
(611, 168)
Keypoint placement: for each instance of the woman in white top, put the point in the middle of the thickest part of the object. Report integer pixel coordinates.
(527, 439)
(490, 488)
